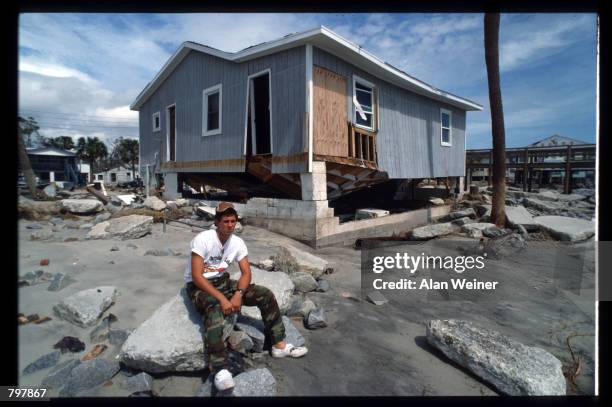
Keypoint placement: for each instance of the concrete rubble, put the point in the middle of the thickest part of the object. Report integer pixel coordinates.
(81, 206)
(369, 213)
(60, 373)
(290, 259)
(84, 308)
(279, 283)
(42, 362)
(87, 375)
(170, 340)
(567, 229)
(434, 230)
(513, 368)
(255, 383)
(125, 227)
(153, 202)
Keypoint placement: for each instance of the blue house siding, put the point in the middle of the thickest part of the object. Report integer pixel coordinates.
(408, 140)
(225, 151)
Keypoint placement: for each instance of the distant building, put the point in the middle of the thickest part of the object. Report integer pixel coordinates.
(53, 164)
(556, 140)
(116, 175)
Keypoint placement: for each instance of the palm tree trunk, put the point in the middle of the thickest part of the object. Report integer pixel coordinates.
(26, 167)
(491, 43)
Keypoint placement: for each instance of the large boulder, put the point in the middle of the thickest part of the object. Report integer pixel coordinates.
(565, 228)
(430, 231)
(81, 205)
(30, 208)
(476, 229)
(513, 368)
(85, 307)
(124, 227)
(170, 340)
(279, 283)
(543, 206)
(518, 215)
(153, 202)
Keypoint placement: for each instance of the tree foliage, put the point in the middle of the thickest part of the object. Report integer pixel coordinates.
(28, 128)
(63, 142)
(91, 150)
(125, 150)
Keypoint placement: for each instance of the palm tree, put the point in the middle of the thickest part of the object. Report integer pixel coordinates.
(491, 44)
(126, 149)
(90, 150)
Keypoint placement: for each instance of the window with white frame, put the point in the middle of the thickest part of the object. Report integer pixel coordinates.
(446, 118)
(211, 112)
(364, 104)
(156, 122)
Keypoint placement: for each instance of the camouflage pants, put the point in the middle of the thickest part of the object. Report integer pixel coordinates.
(213, 318)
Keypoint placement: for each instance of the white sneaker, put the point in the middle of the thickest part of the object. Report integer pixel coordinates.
(224, 380)
(289, 350)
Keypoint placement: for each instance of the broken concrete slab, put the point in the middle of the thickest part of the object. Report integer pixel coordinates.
(513, 368)
(124, 227)
(430, 231)
(306, 262)
(475, 229)
(50, 191)
(322, 286)
(102, 217)
(303, 282)
(84, 308)
(140, 382)
(547, 195)
(292, 335)
(117, 337)
(267, 265)
(469, 212)
(255, 383)
(124, 199)
(81, 206)
(254, 328)
(518, 215)
(153, 202)
(59, 374)
(43, 362)
(370, 213)
(87, 375)
(539, 205)
(279, 283)
(316, 319)
(240, 341)
(170, 340)
(376, 298)
(463, 221)
(565, 228)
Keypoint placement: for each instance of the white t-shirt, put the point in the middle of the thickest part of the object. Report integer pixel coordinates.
(216, 256)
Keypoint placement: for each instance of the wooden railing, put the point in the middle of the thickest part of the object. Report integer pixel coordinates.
(362, 144)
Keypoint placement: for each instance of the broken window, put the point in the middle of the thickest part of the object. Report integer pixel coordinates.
(100, 177)
(212, 104)
(113, 177)
(156, 122)
(445, 127)
(364, 104)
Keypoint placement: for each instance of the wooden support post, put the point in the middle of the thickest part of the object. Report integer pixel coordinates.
(525, 163)
(530, 171)
(568, 171)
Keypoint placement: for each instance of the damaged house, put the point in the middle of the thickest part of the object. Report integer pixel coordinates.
(292, 124)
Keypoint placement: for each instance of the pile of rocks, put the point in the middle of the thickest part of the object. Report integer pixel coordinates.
(563, 217)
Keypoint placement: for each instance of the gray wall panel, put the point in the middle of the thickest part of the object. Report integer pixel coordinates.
(408, 139)
(199, 71)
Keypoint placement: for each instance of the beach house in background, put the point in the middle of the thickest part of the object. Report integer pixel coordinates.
(52, 164)
(116, 175)
(301, 120)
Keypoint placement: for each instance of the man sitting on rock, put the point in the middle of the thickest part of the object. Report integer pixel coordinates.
(215, 295)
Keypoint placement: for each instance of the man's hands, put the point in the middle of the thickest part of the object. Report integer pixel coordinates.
(236, 301)
(226, 306)
(233, 305)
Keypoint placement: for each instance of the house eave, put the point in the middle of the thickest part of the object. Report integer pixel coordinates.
(323, 38)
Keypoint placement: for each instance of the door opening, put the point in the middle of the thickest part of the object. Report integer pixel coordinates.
(258, 128)
(172, 133)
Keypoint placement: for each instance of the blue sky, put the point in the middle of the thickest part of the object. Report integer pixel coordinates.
(78, 73)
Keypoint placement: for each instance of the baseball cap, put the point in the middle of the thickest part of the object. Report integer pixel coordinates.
(223, 207)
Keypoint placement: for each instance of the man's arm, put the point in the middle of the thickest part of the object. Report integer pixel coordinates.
(197, 271)
(243, 283)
